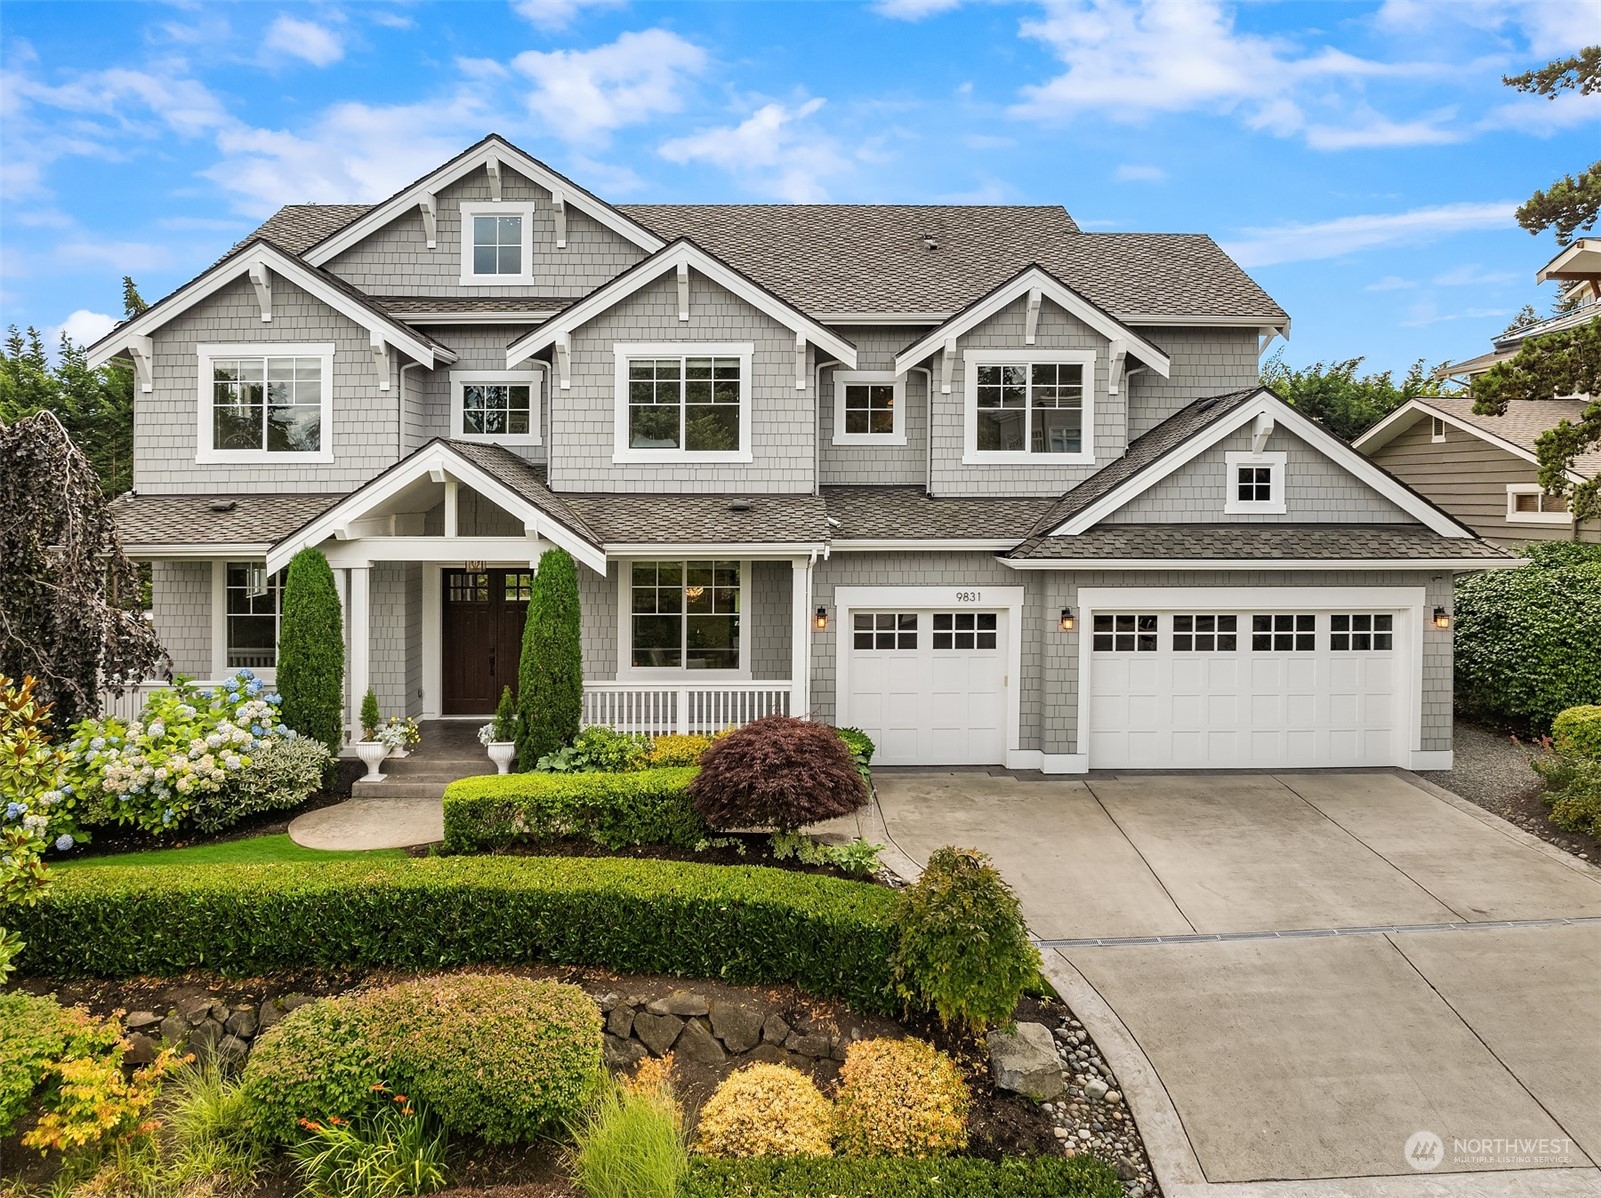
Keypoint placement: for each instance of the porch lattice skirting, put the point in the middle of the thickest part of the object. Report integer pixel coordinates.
(659, 708)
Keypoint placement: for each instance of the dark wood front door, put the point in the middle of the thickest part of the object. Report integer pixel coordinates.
(483, 612)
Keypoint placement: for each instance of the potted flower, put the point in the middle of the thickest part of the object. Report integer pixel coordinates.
(499, 736)
(369, 748)
(401, 734)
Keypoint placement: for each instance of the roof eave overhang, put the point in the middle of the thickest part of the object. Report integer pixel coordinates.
(689, 255)
(1403, 418)
(1569, 264)
(1025, 282)
(207, 549)
(121, 340)
(925, 544)
(621, 549)
(1263, 563)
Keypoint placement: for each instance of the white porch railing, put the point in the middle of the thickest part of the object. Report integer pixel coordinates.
(127, 704)
(661, 708)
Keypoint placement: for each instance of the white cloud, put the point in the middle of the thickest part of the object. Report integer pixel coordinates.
(913, 10)
(1130, 172)
(1376, 131)
(773, 152)
(388, 19)
(582, 94)
(316, 44)
(1474, 275)
(1549, 27)
(1426, 312)
(557, 14)
(1544, 117)
(1391, 283)
(82, 327)
(1296, 242)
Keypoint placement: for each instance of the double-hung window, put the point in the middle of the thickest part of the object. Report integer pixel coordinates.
(495, 405)
(681, 402)
(1029, 405)
(869, 408)
(497, 243)
(1254, 484)
(254, 606)
(684, 615)
(262, 402)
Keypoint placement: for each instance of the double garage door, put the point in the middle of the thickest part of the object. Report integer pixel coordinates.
(1245, 689)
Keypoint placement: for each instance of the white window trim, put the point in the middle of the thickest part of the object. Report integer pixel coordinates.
(1436, 429)
(208, 353)
(1233, 505)
(627, 671)
(622, 351)
(489, 208)
(844, 378)
(973, 456)
(460, 379)
(1513, 516)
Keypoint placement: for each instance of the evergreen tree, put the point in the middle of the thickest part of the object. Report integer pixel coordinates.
(550, 675)
(311, 651)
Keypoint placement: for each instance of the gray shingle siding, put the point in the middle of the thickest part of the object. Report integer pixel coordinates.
(429, 395)
(767, 620)
(783, 431)
(1037, 475)
(396, 259)
(1316, 490)
(180, 600)
(390, 617)
(597, 607)
(1203, 361)
(876, 464)
(365, 434)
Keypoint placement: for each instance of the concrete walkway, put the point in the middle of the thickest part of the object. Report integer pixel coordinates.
(1293, 974)
(385, 823)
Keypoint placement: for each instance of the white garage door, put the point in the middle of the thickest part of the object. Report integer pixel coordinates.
(1245, 689)
(929, 686)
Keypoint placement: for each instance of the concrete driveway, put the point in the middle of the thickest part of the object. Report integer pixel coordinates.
(1293, 974)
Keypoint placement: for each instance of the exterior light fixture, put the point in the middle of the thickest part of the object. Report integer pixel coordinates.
(820, 620)
(1442, 618)
(1068, 621)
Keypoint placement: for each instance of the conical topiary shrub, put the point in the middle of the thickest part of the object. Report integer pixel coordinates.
(550, 675)
(311, 651)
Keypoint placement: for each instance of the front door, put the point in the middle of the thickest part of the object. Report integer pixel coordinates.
(483, 612)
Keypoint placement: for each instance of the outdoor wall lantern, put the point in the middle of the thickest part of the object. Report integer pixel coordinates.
(1442, 618)
(820, 620)
(1068, 621)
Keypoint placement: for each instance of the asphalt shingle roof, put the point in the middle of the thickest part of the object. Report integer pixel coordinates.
(1523, 423)
(255, 519)
(450, 304)
(295, 228)
(636, 519)
(1265, 542)
(908, 513)
(525, 479)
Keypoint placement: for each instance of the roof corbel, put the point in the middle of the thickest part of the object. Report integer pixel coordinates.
(1261, 430)
(1119, 367)
(142, 350)
(261, 281)
(380, 355)
(558, 204)
(800, 361)
(683, 291)
(1035, 297)
(428, 205)
(946, 365)
(564, 359)
(492, 165)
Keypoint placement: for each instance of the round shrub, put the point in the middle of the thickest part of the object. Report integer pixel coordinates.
(963, 950)
(900, 1098)
(777, 772)
(1576, 732)
(494, 1056)
(766, 1110)
(311, 651)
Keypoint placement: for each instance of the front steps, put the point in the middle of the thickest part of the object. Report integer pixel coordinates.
(449, 750)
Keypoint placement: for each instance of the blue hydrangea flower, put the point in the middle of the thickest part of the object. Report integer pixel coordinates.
(232, 684)
(14, 810)
(63, 842)
(253, 687)
(256, 730)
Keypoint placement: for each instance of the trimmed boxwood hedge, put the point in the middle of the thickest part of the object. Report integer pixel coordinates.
(748, 925)
(614, 810)
(872, 1177)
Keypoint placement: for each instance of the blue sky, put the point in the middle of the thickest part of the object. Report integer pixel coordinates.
(1362, 160)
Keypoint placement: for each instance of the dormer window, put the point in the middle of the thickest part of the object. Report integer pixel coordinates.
(497, 243)
(1255, 484)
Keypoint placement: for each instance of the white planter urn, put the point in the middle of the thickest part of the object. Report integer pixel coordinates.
(372, 755)
(397, 754)
(501, 752)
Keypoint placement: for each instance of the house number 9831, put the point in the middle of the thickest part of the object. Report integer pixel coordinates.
(969, 596)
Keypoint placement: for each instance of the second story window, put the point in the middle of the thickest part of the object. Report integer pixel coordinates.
(683, 403)
(869, 408)
(1029, 404)
(495, 405)
(497, 243)
(1254, 484)
(265, 402)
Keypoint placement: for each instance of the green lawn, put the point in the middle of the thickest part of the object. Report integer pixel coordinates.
(258, 850)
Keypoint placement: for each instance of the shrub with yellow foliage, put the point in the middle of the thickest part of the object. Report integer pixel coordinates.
(674, 750)
(766, 1110)
(900, 1098)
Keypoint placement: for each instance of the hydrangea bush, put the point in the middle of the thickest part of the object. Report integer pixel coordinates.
(191, 752)
(40, 808)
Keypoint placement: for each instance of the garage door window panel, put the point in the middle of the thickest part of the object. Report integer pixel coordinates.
(964, 630)
(1205, 634)
(1361, 632)
(1284, 632)
(1125, 632)
(884, 630)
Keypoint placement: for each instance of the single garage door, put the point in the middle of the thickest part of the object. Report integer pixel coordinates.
(929, 686)
(1245, 689)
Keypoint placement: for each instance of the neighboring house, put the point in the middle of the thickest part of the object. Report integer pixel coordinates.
(1483, 469)
(996, 490)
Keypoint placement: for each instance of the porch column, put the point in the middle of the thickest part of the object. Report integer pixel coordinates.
(800, 637)
(360, 648)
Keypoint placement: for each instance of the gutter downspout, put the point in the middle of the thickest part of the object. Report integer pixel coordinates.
(817, 440)
(928, 433)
